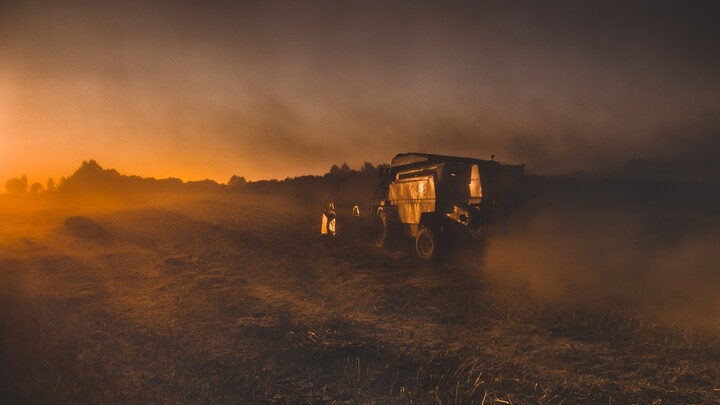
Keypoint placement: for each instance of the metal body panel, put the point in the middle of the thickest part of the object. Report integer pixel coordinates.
(428, 190)
(412, 197)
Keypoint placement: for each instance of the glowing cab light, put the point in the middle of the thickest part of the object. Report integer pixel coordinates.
(475, 186)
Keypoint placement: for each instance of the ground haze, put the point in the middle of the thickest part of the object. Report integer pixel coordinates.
(232, 296)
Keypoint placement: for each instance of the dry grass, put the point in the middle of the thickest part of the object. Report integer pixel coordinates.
(229, 300)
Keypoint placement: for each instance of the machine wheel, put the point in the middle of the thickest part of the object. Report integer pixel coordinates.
(426, 244)
(385, 230)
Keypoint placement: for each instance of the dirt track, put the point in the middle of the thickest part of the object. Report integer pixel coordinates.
(227, 300)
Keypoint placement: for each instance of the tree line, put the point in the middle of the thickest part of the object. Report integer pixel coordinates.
(21, 185)
(92, 177)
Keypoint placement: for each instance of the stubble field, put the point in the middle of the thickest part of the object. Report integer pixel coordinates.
(235, 298)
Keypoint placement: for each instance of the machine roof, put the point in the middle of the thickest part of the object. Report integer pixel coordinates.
(405, 159)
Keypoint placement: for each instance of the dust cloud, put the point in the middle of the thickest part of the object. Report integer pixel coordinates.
(115, 289)
(640, 248)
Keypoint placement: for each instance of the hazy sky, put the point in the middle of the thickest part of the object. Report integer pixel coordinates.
(273, 89)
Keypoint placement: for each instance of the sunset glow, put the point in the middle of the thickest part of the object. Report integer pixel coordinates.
(270, 91)
(359, 202)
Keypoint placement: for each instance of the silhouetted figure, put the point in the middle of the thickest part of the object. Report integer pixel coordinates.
(328, 220)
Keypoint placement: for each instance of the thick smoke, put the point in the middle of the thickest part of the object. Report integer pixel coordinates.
(655, 256)
(280, 89)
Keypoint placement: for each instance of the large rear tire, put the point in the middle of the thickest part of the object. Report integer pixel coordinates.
(385, 230)
(426, 244)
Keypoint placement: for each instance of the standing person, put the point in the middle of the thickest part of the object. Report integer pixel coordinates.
(332, 216)
(328, 220)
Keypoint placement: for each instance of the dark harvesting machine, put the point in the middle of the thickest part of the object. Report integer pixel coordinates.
(428, 197)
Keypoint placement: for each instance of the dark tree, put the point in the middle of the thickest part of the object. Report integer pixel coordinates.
(36, 188)
(19, 185)
(334, 169)
(367, 168)
(50, 185)
(236, 181)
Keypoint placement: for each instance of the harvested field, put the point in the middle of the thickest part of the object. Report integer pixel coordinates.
(229, 299)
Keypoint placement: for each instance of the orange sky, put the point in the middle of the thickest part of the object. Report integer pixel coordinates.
(274, 90)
